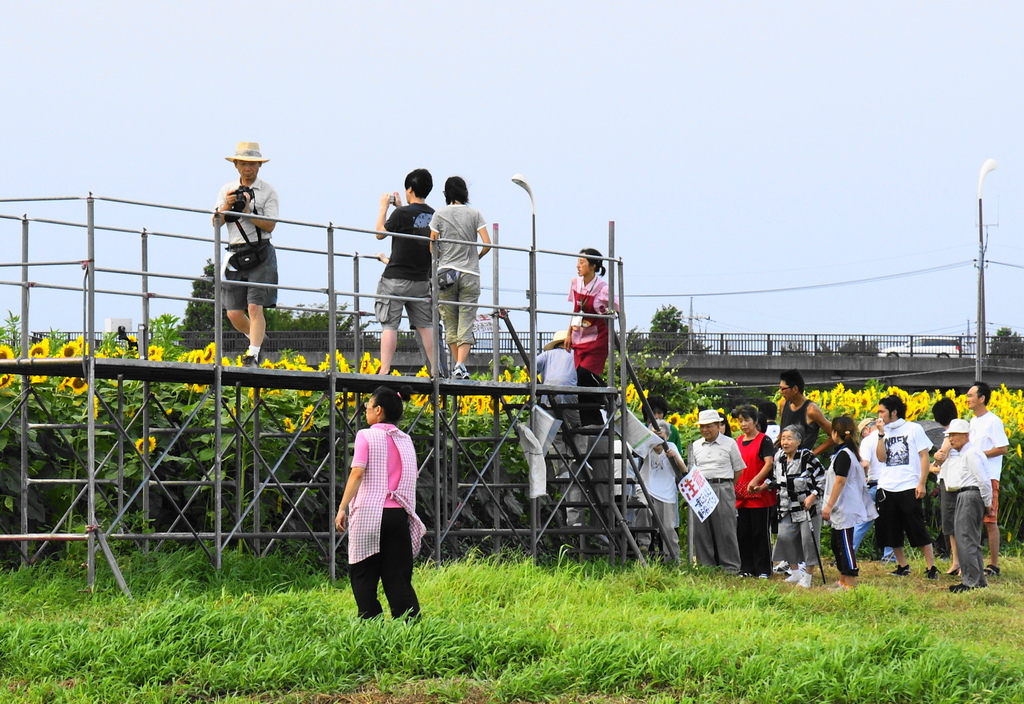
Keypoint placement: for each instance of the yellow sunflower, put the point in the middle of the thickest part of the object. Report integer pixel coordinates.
(155, 353)
(307, 418)
(40, 349)
(6, 352)
(8, 379)
(140, 441)
(368, 365)
(74, 384)
(69, 350)
(289, 426)
(209, 355)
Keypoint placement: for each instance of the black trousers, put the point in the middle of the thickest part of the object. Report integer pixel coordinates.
(591, 415)
(392, 566)
(753, 535)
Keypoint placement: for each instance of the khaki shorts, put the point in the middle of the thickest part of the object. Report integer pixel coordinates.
(389, 311)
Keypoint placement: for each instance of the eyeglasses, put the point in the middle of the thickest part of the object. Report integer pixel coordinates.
(784, 388)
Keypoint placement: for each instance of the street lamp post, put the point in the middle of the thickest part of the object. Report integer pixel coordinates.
(979, 352)
(520, 181)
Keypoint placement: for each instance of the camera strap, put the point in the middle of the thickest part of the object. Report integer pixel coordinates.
(238, 222)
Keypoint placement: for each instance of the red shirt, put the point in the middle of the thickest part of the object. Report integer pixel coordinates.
(753, 454)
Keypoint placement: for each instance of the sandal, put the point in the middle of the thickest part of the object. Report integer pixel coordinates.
(992, 571)
(954, 572)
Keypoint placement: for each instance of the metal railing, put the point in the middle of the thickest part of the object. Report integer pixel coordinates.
(662, 343)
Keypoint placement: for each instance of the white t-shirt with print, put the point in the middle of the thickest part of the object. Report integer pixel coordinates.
(904, 441)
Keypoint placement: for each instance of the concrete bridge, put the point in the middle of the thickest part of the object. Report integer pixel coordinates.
(745, 359)
(913, 374)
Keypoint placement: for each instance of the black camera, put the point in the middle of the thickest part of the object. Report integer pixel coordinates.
(239, 205)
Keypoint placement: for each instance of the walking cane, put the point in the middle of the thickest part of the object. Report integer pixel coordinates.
(817, 550)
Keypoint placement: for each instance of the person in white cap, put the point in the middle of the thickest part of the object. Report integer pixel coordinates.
(253, 258)
(966, 476)
(718, 458)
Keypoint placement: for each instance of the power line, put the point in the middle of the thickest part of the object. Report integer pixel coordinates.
(869, 280)
(1013, 266)
(873, 279)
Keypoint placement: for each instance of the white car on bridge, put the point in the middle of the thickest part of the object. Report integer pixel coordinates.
(926, 347)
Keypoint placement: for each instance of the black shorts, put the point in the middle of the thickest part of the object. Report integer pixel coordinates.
(900, 515)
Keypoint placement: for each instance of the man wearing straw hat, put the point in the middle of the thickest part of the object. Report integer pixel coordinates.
(252, 258)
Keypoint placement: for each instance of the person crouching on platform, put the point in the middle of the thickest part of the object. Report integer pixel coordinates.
(379, 509)
(253, 258)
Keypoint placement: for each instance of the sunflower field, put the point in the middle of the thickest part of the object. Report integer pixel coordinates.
(299, 419)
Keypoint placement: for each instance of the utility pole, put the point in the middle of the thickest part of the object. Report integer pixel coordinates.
(981, 328)
(689, 326)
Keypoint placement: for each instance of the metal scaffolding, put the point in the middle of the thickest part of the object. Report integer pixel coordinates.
(230, 471)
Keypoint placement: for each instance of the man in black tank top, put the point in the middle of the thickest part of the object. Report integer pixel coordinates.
(800, 411)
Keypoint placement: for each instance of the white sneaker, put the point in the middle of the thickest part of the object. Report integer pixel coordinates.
(805, 580)
(795, 575)
(781, 567)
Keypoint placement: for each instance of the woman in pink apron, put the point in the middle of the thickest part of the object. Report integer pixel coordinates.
(379, 509)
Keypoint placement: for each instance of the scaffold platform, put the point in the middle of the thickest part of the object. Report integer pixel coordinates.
(230, 467)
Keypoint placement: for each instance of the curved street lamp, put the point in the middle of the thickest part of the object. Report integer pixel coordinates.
(979, 352)
(520, 181)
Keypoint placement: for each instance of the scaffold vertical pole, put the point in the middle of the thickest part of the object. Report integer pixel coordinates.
(499, 475)
(143, 354)
(25, 293)
(142, 339)
(90, 362)
(218, 400)
(332, 411)
(495, 326)
(532, 364)
(357, 328)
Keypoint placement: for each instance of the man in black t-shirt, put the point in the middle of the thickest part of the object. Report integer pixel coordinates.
(407, 274)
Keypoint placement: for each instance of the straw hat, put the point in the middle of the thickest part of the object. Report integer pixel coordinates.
(247, 151)
(558, 340)
(865, 423)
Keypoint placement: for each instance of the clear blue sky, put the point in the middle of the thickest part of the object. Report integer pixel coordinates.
(737, 145)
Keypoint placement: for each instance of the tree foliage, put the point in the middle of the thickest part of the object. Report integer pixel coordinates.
(1007, 343)
(668, 319)
(199, 314)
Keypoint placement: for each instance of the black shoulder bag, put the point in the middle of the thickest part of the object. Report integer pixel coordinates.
(251, 255)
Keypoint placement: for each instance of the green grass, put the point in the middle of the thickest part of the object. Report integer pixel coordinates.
(277, 630)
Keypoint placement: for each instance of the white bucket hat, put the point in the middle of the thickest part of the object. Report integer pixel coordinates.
(708, 417)
(247, 151)
(958, 425)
